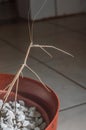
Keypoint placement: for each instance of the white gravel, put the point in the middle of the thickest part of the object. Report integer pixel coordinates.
(16, 116)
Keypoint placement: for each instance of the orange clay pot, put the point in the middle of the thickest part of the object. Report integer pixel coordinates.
(34, 94)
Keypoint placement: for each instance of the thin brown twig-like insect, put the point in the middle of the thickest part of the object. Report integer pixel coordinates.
(48, 46)
(15, 80)
(46, 52)
(16, 93)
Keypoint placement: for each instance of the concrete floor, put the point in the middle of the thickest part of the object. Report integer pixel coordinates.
(64, 74)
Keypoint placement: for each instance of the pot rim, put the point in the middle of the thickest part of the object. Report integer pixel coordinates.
(55, 116)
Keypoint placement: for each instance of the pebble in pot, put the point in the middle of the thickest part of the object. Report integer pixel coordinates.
(16, 116)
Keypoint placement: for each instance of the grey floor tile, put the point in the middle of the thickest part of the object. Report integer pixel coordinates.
(73, 119)
(75, 23)
(18, 34)
(9, 57)
(45, 30)
(15, 34)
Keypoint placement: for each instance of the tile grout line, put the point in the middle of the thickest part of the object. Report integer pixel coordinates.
(41, 62)
(63, 75)
(72, 107)
(63, 26)
(10, 44)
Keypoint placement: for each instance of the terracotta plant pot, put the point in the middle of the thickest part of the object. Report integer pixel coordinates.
(34, 93)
